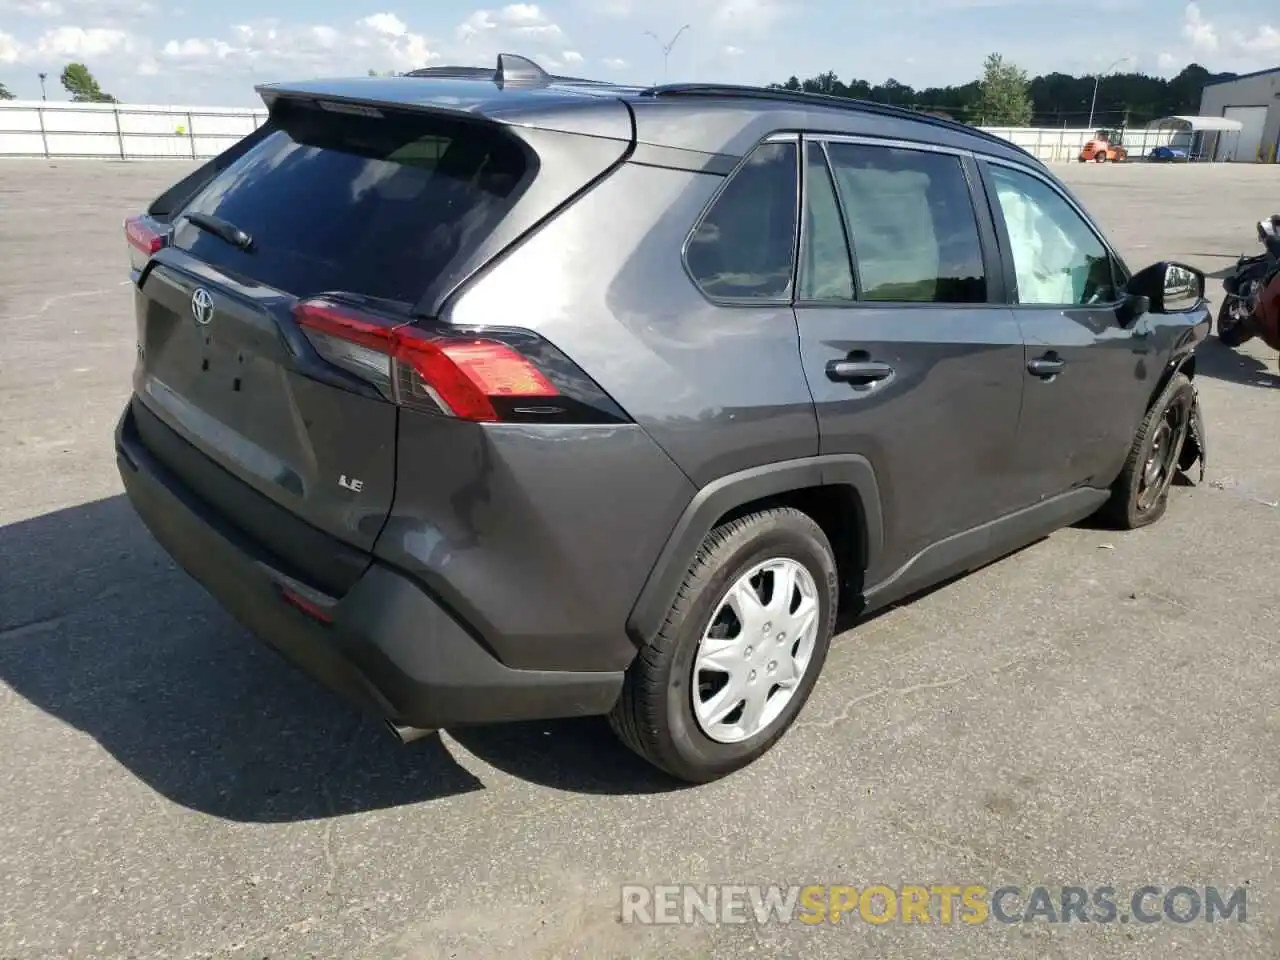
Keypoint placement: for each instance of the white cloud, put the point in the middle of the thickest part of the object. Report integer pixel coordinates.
(381, 41)
(479, 22)
(571, 56)
(1167, 61)
(387, 23)
(10, 51)
(1265, 43)
(1238, 47)
(614, 63)
(517, 20)
(732, 51)
(1200, 34)
(78, 42)
(522, 14)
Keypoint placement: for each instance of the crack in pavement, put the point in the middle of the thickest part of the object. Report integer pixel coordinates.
(58, 299)
(907, 691)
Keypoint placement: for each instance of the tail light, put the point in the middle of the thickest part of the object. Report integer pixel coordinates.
(146, 237)
(483, 376)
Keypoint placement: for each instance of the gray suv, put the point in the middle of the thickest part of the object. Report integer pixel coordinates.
(487, 395)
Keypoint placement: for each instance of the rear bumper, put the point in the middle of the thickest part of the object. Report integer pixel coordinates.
(388, 647)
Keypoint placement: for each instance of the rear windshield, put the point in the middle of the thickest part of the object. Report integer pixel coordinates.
(377, 206)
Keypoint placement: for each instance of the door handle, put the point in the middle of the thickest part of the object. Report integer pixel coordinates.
(858, 371)
(1046, 367)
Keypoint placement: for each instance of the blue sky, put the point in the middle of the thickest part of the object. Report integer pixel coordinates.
(194, 52)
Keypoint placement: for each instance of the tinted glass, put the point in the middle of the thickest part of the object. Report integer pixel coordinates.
(744, 248)
(1057, 258)
(370, 205)
(911, 221)
(825, 272)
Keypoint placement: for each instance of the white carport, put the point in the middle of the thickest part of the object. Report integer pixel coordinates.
(1203, 138)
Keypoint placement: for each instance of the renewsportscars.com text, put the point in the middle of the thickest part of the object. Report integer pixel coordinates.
(929, 904)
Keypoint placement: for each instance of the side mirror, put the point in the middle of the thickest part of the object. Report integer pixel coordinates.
(1168, 287)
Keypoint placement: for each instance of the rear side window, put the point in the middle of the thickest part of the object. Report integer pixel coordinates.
(911, 223)
(376, 206)
(744, 247)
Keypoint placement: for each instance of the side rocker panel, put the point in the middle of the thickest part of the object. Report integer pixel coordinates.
(735, 490)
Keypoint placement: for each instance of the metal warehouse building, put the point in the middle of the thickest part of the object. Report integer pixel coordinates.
(1254, 100)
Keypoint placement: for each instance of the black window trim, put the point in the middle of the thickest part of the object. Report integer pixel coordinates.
(809, 143)
(780, 136)
(1119, 270)
(992, 261)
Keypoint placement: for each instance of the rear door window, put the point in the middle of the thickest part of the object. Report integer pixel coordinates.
(372, 205)
(912, 224)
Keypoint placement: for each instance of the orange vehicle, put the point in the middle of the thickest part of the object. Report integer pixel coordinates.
(1104, 146)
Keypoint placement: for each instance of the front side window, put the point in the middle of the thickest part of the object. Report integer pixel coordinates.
(911, 223)
(744, 248)
(1057, 258)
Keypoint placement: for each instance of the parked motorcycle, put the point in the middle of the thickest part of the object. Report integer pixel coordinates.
(1245, 283)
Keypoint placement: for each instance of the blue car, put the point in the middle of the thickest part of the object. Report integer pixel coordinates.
(1167, 155)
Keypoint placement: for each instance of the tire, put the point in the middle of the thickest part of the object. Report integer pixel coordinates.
(1231, 333)
(1100, 157)
(655, 715)
(1131, 505)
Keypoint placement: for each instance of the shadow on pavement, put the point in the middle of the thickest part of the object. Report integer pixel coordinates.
(99, 629)
(1220, 362)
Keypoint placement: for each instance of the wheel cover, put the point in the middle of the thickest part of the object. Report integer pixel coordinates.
(754, 653)
(1162, 462)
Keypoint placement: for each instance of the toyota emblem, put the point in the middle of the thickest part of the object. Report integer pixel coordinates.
(202, 306)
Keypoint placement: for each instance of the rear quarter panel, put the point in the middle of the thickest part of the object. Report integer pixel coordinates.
(720, 389)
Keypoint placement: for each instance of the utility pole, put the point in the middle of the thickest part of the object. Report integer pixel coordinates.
(43, 77)
(1096, 80)
(666, 47)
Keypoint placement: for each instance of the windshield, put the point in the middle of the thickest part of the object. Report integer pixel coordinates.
(374, 205)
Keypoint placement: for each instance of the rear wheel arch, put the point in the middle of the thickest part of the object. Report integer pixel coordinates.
(839, 492)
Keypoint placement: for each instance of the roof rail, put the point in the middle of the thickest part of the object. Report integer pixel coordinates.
(823, 99)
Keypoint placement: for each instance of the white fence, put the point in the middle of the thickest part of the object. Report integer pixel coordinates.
(35, 128)
(1058, 145)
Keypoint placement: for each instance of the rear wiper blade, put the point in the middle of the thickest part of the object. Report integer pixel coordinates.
(221, 228)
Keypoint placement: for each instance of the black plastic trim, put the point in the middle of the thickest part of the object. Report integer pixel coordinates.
(730, 492)
(390, 649)
(975, 548)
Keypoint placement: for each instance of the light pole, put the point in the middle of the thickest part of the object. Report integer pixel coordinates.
(1098, 79)
(666, 47)
(42, 76)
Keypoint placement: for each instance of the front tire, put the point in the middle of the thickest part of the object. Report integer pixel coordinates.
(1236, 330)
(1100, 157)
(1140, 495)
(739, 652)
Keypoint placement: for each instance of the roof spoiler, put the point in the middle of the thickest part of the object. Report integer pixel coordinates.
(512, 69)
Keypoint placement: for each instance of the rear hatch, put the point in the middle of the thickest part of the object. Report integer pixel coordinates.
(366, 206)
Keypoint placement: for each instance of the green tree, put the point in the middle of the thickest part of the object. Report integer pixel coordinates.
(1004, 94)
(80, 83)
(4, 93)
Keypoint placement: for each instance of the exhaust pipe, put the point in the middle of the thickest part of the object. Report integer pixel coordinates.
(407, 734)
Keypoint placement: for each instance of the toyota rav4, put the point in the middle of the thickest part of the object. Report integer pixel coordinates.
(489, 395)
